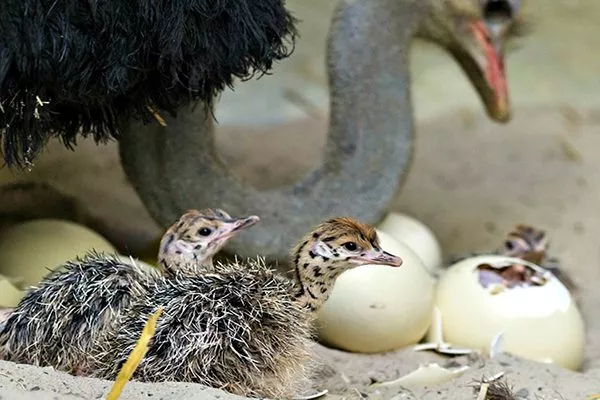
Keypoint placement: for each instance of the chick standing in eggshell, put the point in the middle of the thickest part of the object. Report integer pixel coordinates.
(516, 292)
(483, 296)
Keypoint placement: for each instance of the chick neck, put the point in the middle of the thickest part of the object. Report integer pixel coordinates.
(315, 276)
(174, 259)
(186, 264)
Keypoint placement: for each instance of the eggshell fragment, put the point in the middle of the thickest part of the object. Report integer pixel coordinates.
(375, 308)
(426, 375)
(416, 235)
(29, 250)
(539, 321)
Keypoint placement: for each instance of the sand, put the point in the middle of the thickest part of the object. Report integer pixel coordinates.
(26, 382)
(471, 181)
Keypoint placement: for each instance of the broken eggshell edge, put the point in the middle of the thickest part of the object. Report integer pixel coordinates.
(540, 323)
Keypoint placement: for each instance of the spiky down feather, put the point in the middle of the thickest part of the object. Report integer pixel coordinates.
(239, 329)
(58, 322)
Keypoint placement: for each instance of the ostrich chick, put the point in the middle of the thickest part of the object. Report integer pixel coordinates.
(246, 328)
(189, 245)
(59, 322)
(530, 244)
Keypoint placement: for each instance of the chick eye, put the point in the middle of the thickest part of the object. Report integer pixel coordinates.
(509, 244)
(350, 246)
(204, 231)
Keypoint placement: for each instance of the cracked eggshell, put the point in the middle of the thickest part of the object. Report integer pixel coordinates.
(374, 308)
(416, 235)
(540, 323)
(30, 249)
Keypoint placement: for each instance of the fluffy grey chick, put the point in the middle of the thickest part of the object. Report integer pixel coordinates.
(59, 322)
(245, 328)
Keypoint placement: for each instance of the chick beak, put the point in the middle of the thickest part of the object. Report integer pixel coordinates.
(381, 258)
(234, 226)
(244, 223)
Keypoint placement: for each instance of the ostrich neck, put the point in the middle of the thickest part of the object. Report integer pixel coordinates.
(174, 259)
(314, 278)
(173, 264)
(366, 154)
(314, 285)
(368, 49)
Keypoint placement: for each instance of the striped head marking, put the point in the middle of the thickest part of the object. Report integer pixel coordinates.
(333, 247)
(197, 236)
(526, 242)
(350, 241)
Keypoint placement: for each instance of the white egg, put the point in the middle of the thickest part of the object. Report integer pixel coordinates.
(375, 308)
(30, 249)
(416, 235)
(10, 295)
(540, 321)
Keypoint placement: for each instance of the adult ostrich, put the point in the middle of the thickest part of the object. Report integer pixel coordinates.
(369, 143)
(117, 69)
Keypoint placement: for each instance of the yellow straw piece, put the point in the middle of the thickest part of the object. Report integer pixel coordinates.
(136, 356)
(594, 397)
(157, 116)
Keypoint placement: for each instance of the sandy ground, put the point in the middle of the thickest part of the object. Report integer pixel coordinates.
(24, 382)
(471, 181)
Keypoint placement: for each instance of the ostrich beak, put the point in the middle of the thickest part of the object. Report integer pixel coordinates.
(234, 226)
(381, 258)
(244, 223)
(483, 61)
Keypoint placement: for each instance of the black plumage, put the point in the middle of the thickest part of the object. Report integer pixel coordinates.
(70, 66)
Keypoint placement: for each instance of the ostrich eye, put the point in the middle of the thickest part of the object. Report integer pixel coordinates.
(494, 10)
(350, 246)
(204, 231)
